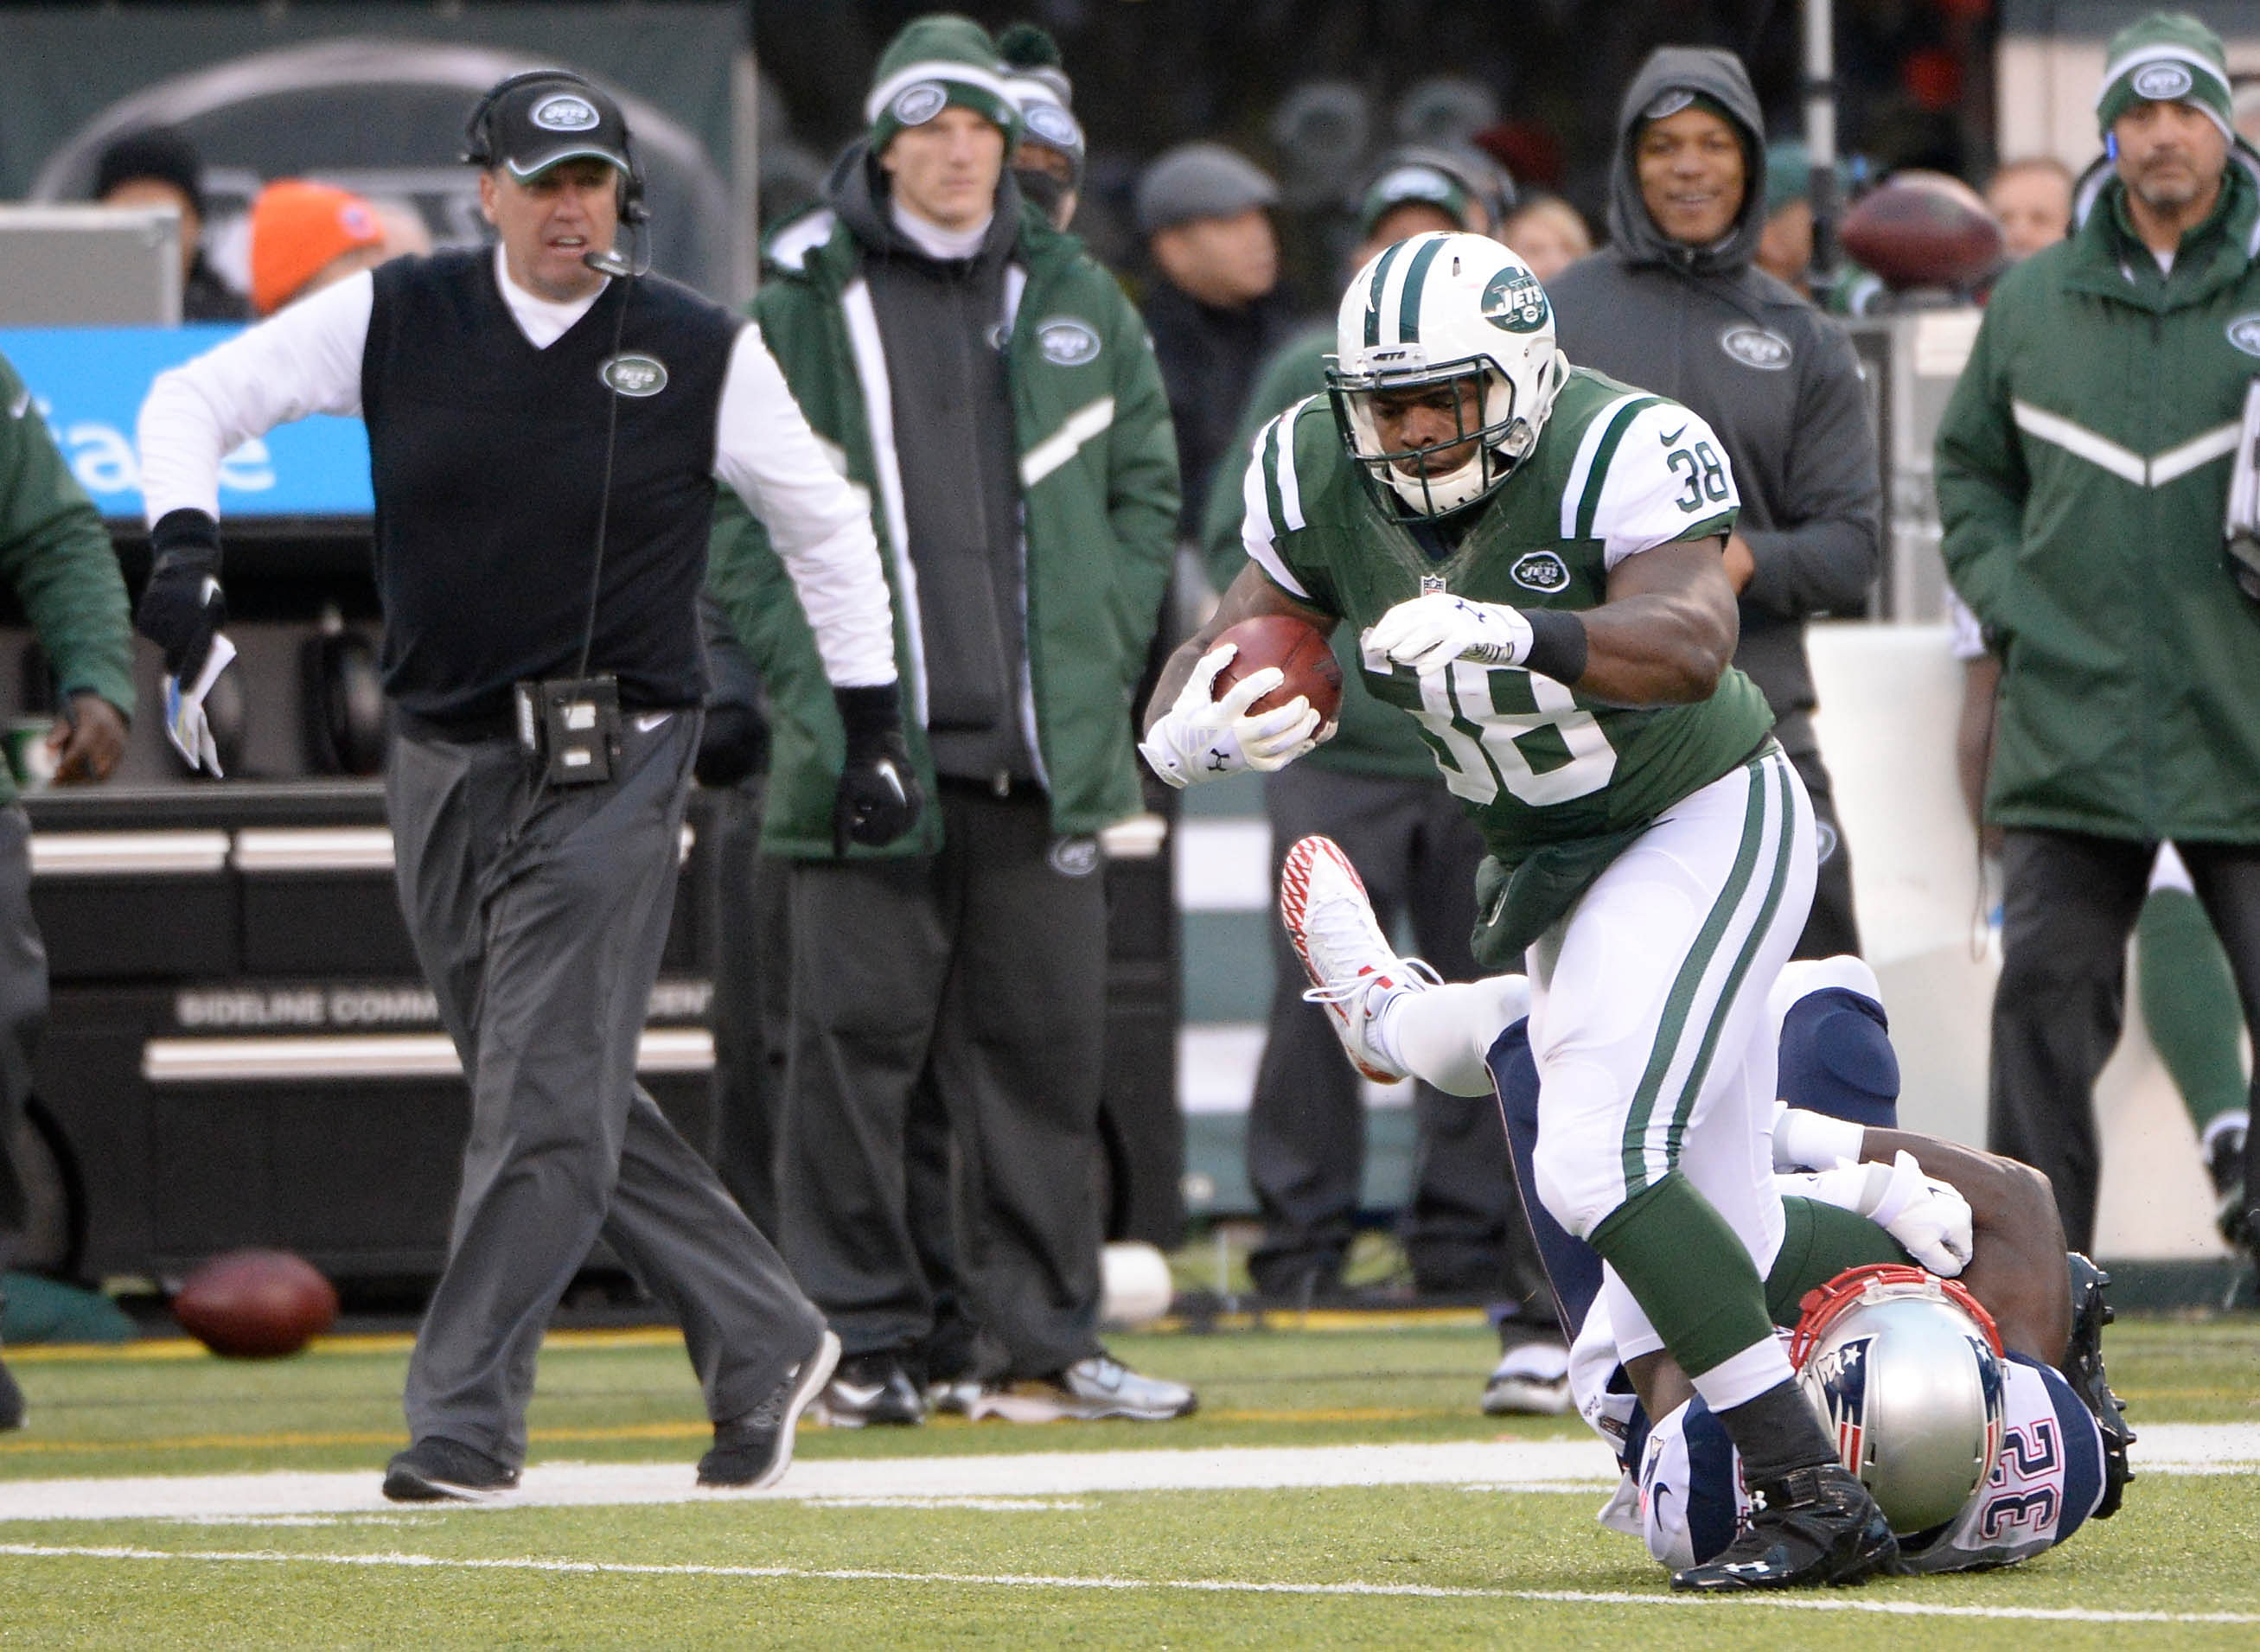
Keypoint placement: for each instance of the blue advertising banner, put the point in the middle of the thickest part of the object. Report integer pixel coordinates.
(89, 381)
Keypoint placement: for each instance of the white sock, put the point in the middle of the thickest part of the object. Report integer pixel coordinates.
(1443, 1034)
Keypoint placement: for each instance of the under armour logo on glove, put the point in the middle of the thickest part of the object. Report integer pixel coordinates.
(1200, 737)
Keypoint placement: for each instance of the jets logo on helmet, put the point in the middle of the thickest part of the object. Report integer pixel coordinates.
(1443, 320)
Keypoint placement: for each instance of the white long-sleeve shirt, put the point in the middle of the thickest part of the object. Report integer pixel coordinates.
(307, 359)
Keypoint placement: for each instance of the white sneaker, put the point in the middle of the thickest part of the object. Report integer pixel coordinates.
(1091, 1390)
(1531, 1380)
(1353, 970)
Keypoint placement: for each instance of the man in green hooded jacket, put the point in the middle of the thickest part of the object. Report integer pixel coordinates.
(2083, 468)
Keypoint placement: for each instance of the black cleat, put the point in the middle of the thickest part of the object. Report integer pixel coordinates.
(2082, 1369)
(12, 1402)
(438, 1470)
(755, 1451)
(870, 1391)
(2225, 1164)
(1815, 1526)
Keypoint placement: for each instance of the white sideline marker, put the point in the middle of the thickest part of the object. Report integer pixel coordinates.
(1576, 1466)
(1196, 1585)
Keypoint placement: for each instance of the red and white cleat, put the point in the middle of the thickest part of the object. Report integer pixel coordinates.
(1353, 970)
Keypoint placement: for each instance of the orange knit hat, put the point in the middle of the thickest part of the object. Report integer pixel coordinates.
(297, 228)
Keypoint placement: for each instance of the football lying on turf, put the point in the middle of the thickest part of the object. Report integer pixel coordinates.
(1298, 649)
(256, 1304)
(1923, 229)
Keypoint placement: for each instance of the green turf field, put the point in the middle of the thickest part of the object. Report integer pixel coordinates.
(1408, 1565)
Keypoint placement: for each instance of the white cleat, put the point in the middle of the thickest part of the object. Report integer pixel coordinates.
(1353, 970)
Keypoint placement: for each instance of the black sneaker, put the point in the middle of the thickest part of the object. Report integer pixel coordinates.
(2225, 1163)
(2082, 1369)
(12, 1402)
(870, 1391)
(755, 1451)
(437, 1471)
(1815, 1526)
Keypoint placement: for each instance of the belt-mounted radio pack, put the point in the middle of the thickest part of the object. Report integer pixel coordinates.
(571, 727)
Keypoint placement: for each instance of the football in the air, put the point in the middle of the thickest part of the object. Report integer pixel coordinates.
(1923, 229)
(1298, 649)
(256, 1304)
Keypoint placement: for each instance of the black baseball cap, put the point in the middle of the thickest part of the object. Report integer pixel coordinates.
(543, 120)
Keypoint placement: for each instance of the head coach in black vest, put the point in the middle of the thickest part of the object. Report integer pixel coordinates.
(546, 423)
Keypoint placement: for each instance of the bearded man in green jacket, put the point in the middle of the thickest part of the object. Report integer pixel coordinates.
(994, 391)
(2083, 468)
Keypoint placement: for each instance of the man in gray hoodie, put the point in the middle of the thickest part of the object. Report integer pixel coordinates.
(1674, 305)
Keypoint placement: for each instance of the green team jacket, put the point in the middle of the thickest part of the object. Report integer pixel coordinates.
(1099, 500)
(1369, 738)
(2083, 480)
(57, 557)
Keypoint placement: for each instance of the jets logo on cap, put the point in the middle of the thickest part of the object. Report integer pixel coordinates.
(635, 375)
(917, 104)
(1067, 342)
(2161, 82)
(1514, 302)
(564, 112)
(1669, 101)
(1048, 122)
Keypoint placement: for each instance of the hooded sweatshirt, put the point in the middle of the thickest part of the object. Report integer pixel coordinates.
(1775, 379)
(941, 323)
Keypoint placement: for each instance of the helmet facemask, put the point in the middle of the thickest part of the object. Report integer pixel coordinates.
(1489, 444)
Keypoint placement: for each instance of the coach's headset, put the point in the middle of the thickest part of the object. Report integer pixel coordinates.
(478, 133)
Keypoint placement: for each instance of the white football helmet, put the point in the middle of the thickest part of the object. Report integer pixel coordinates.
(1905, 1369)
(1446, 309)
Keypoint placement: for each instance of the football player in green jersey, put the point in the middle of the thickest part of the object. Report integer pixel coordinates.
(1531, 556)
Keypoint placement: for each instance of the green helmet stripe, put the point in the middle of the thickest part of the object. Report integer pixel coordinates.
(1595, 479)
(1408, 308)
(1373, 298)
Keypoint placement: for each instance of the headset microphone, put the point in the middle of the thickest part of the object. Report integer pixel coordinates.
(605, 261)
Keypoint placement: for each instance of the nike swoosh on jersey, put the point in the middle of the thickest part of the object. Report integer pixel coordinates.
(1674, 436)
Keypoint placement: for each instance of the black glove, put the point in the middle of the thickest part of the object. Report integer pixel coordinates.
(182, 606)
(878, 800)
(736, 744)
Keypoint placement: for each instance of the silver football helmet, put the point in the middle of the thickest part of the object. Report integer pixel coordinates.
(1460, 315)
(1905, 1370)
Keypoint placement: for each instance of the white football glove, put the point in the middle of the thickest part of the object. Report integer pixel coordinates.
(1930, 1219)
(1199, 738)
(1428, 632)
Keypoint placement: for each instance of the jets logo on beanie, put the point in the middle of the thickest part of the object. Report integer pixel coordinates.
(936, 61)
(2169, 57)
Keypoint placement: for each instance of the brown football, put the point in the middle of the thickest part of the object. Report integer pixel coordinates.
(1923, 229)
(1297, 649)
(256, 1304)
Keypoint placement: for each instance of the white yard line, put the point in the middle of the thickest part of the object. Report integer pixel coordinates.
(1536, 1466)
(1198, 1585)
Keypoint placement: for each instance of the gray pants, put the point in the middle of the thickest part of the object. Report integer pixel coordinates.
(539, 915)
(1464, 1231)
(2069, 903)
(23, 1012)
(975, 981)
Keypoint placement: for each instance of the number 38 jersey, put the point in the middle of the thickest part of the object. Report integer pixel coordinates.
(1616, 472)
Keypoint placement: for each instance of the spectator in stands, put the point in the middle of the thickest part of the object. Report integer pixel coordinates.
(1049, 160)
(304, 236)
(2031, 200)
(160, 167)
(1217, 312)
(1546, 233)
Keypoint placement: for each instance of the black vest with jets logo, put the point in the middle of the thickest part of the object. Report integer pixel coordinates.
(488, 459)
